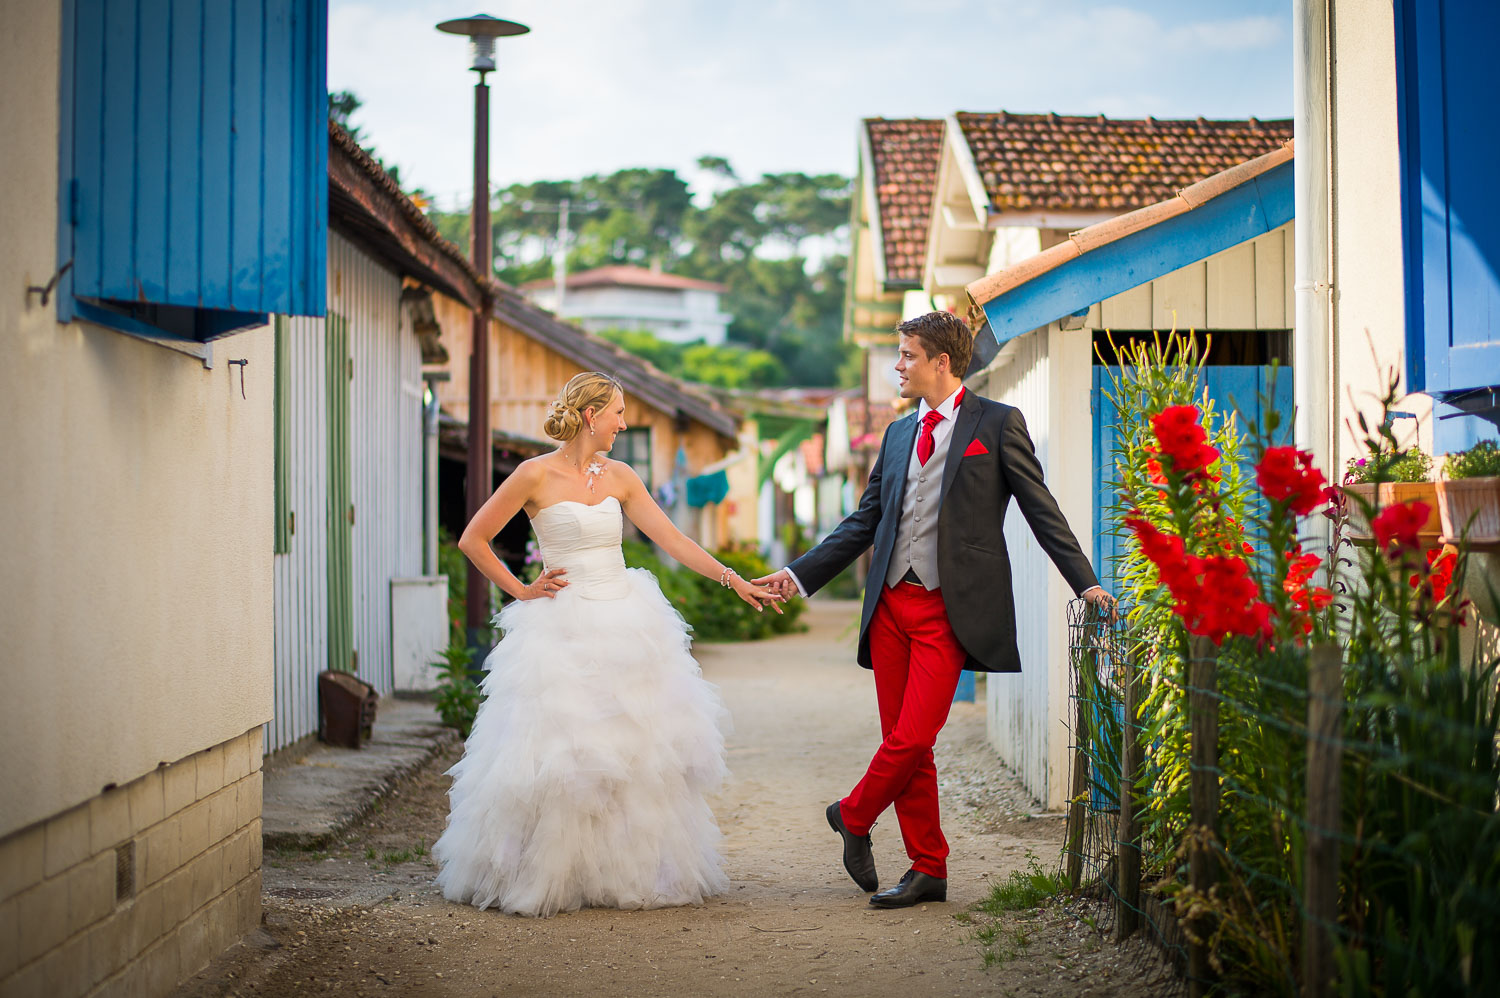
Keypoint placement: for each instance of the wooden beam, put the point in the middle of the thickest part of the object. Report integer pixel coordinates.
(364, 209)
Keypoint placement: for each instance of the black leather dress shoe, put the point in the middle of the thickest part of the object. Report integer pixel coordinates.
(914, 888)
(858, 859)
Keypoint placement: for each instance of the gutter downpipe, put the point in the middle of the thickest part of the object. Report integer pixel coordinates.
(1312, 338)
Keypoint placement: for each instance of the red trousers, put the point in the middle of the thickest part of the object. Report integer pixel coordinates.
(917, 661)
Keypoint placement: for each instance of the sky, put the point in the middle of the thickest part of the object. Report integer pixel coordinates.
(778, 85)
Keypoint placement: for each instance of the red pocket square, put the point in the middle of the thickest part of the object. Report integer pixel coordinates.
(976, 447)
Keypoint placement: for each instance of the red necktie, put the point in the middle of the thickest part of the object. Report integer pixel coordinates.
(924, 440)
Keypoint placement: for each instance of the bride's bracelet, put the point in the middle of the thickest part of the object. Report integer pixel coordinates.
(724, 576)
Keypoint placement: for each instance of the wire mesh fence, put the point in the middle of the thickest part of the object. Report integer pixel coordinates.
(1290, 819)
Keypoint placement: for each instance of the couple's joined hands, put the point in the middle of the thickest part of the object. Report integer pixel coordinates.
(779, 583)
(551, 582)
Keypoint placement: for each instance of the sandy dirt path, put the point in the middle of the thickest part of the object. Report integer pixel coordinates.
(364, 918)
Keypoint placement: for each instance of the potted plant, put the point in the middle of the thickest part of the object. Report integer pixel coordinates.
(1388, 478)
(1468, 495)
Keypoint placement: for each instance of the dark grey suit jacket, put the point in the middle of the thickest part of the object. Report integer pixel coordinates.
(973, 562)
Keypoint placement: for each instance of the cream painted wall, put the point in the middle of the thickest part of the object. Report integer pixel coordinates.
(135, 584)
(1369, 324)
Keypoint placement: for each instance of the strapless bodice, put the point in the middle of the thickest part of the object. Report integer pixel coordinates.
(585, 540)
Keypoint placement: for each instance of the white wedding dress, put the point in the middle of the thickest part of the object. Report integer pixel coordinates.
(583, 781)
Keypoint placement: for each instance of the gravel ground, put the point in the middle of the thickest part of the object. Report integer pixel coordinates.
(364, 918)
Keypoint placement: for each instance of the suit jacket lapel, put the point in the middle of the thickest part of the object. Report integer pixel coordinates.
(903, 438)
(964, 425)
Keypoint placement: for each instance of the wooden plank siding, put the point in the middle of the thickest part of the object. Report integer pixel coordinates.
(333, 600)
(301, 621)
(381, 463)
(1019, 710)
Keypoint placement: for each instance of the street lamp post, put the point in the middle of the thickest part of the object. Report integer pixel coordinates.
(481, 30)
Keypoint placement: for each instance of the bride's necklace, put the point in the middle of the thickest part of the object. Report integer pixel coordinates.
(591, 473)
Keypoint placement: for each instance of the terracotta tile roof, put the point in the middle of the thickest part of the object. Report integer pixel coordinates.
(992, 286)
(904, 158)
(1036, 162)
(622, 275)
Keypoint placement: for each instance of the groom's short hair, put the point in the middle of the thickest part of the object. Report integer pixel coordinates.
(942, 332)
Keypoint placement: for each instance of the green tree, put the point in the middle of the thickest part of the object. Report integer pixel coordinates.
(752, 236)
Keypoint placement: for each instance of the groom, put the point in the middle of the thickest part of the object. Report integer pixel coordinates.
(938, 596)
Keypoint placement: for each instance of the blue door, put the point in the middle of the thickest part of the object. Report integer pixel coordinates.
(1233, 388)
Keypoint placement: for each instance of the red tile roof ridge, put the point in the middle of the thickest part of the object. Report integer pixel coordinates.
(1052, 117)
(992, 286)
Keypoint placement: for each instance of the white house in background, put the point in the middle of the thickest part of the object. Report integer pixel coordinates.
(677, 309)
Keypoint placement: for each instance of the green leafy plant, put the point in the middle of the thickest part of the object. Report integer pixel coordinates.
(1480, 461)
(1387, 464)
(1419, 872)
(458, 696)
(715, 613)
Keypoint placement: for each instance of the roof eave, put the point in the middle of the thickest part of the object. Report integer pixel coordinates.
(1210, 216)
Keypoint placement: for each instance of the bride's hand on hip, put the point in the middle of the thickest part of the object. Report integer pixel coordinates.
(547, 585)
(757, 596)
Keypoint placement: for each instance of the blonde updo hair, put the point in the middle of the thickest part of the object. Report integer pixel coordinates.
(589, 390)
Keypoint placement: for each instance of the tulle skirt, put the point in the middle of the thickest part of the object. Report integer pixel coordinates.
(583, 781)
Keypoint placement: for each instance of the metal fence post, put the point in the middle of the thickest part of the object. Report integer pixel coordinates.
(1128, 850)
(1073, 835)
(1325, 708)
(1203, 720)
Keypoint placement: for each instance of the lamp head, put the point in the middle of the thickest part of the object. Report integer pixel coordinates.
(482, 30)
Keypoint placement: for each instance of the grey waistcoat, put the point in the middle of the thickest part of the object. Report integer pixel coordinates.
(917, 534)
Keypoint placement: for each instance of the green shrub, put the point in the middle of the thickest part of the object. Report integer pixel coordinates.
(715, 613)
(1410, 465)
(1480, 461)
(458, 695)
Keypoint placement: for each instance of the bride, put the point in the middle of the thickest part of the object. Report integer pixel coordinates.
(583, 780)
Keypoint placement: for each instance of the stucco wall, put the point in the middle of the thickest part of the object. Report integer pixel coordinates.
(1368, 300)
(135, 579)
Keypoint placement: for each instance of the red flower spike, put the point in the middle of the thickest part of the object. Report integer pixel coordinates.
(1397, 526)
(1287, 475)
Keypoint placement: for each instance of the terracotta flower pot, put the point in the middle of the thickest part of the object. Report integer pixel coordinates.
(1392, 493)
(1470, 508)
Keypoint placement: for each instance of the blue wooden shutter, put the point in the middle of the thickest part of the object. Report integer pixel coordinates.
(1449, 145)
(194, 157)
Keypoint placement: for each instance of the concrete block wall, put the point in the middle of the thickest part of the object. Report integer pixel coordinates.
(140, 887)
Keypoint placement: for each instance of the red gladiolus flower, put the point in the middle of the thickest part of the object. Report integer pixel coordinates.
(1214, 595)
(1397, 526)
(1182, 439)
(1299, 575)
(1153, 468)
(1286, 474)
(1440, 565)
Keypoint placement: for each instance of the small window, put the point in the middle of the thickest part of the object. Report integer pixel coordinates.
(193, 164)
(634, 448)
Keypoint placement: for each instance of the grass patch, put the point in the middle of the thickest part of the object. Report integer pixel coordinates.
(993, 922)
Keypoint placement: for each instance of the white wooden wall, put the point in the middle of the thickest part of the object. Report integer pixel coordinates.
(1248, 286)
(301, 575)
(1018, 703)
(409, 468)
(1047, 377)
(385, 402)
(369, 296)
